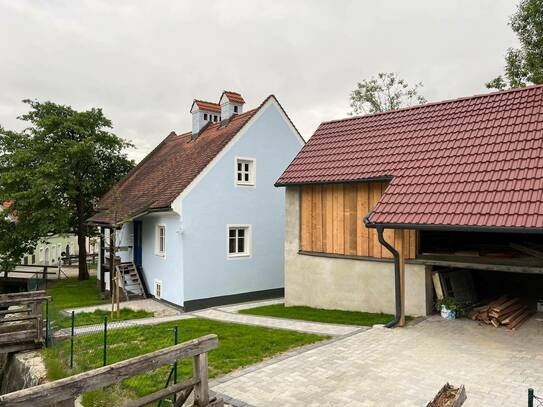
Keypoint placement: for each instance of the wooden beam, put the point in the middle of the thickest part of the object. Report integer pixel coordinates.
(20, 318)
(523, 248)
(71, 387)
(23, 301)
(478, 263)
(20, 336)
(15, 311)
(162, 394)
(201, 389)
(25, 294)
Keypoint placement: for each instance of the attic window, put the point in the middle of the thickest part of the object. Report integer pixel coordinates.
(215, 118)
(205, 116)
(245, 171)
(235, 109)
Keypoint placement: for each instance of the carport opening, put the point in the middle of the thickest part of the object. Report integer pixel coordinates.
(481, 244)
(482, 268)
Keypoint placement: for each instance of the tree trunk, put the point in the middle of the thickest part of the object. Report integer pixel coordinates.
(81, 241)
(83, 271)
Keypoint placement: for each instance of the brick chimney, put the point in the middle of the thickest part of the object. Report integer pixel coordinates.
(231, 103)
(203, 113)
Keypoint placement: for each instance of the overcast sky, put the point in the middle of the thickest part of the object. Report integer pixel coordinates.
(144, 62)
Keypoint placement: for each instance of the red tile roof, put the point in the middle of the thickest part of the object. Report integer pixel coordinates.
(161, 176)
(470, 162)
(233, 97)
(207, 106)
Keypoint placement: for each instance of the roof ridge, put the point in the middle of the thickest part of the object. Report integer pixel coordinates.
(206, 101)
(440, 102)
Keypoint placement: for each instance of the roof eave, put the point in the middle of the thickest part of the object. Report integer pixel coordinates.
(452, 228)
(353, 181)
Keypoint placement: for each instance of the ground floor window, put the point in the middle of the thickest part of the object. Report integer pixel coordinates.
(160, 243)
(158, 289)
(239, 240)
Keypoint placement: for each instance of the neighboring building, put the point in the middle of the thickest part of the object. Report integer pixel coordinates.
(50, 249)
(199, 216)
(454, 185)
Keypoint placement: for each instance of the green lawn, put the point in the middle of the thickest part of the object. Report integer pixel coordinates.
(72, 293)
(320, 315)
(239, 345)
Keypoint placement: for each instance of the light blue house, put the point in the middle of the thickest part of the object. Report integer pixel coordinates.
(200, 216)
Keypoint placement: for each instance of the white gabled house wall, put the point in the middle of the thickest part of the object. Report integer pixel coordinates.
(196, 265)
(213, 201)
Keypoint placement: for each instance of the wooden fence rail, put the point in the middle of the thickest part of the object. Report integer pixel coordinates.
(64, 392)
(22, 321)
(43, 271)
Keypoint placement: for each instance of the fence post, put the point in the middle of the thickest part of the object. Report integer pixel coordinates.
(105, 340)
(72, 341)
(47, 323)
(175, 341)
(44, 276)
(201, 389)
(530, 397)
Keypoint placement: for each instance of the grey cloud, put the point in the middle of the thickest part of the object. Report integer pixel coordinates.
(144, 62)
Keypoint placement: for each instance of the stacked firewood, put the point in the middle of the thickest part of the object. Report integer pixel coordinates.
(510, 312)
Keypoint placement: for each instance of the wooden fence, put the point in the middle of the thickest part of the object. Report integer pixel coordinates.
(62, 393)
(22, 321)
(41, 270)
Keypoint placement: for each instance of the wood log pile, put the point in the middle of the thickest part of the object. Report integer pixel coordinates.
(509, 312)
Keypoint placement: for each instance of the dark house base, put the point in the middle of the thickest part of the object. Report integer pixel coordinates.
(194, 305)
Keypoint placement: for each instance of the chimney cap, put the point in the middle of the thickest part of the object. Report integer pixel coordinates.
(207, 106)
(233, 97)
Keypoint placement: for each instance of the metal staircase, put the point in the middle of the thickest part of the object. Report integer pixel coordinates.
(131, 283)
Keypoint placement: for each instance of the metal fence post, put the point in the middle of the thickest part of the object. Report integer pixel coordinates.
(105, 340)
(175, 341)
(72, 341)
(530, 397)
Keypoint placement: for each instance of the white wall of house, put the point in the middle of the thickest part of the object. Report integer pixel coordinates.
(196, 264)
(216, 202)
(348, 284)
(167, 268)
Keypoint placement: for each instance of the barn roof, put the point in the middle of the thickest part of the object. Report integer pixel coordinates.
(470, 162)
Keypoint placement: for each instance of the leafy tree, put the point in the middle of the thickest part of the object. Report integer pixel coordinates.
(524, 65)
(53, 172)
(385, 92)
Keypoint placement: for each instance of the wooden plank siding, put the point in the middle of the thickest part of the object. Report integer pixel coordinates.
(332, 221)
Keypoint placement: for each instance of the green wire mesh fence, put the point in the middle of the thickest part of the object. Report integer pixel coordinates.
(533, 400)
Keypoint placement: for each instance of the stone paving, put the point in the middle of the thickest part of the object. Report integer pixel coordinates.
(278, 323)
(399, 367)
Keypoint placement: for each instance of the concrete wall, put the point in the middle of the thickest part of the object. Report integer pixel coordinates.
(216, 202)
(348, 284)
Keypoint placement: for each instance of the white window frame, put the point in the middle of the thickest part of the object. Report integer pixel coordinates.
(158, 252)
(248, 241)
(252, 172)
(157, 283)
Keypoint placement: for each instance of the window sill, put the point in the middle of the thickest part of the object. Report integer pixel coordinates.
(245, 184)
(238, 256)
(163, 255)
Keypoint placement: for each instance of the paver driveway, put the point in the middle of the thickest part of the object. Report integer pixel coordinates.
(401, 367)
